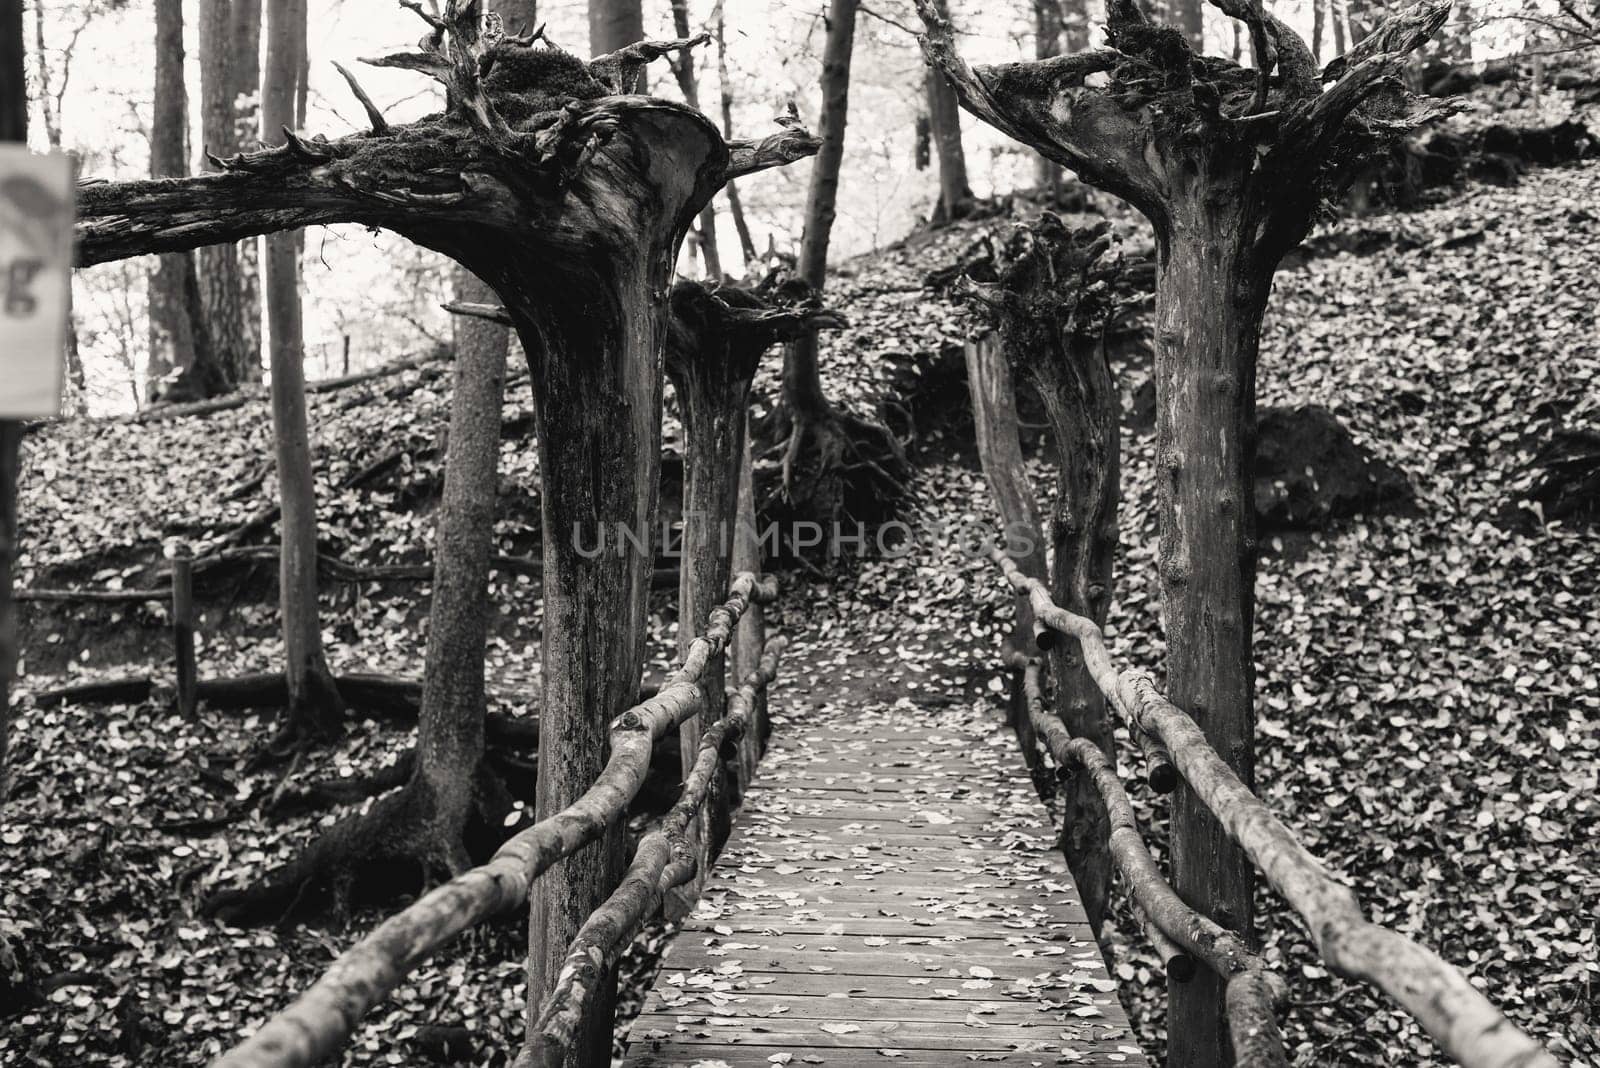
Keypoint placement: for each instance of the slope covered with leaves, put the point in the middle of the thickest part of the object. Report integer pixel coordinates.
(1428, 689)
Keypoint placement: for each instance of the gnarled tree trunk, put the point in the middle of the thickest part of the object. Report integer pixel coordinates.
(1229, 165)
(1052, 300)
(716, 341)
(1208, 324)
(569, 200)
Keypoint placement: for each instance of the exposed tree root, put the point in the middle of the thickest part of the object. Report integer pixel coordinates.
(835, 464)
(395, 846)
(331, 793)
(509, 767)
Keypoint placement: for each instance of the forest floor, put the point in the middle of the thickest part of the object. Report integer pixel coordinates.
(1429, 706)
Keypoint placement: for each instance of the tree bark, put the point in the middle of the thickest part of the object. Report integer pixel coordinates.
(944, 117)
(1208, 322)
(802, 377)
(229, 71)
(994, 416)
(179, 339)
(716, 341)
(1052, 301)
(1081, 405)
(314, 703)
(1319, 10)
(450, 727)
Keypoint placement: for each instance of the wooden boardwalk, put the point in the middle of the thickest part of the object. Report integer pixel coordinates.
(891, 894)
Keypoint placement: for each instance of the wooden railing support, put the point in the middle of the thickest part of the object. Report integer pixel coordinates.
(183, 630)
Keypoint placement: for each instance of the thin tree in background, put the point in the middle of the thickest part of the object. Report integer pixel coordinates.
(230, 78)
(683, 70)
(179, 340)
(944, 118)
(747, 244)
(314, 701)
(824, 443)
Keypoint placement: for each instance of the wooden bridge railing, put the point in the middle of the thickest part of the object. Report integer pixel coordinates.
(323, 1017)
(1467, 1026)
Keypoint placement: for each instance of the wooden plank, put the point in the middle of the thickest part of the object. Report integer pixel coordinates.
(886, 889)
(760, 1057)
(828, 984)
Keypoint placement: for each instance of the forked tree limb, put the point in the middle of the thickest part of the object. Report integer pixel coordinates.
(664, 859)
(1467, 1026)
(323, 1017)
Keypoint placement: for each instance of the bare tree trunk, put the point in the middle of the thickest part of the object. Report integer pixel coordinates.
(1319, 9)
(683, 68)
(450, 732)
(716, 340)
(712, 381)
(1051, 303)
(837, 440)
(314, 702)
(599, 404)
(1081, 405)
(944, 117)
(823, 196)
(994, 416)
(747, 244)
(1205, 426)
(178, 334)
(246, 75)
(231, 301)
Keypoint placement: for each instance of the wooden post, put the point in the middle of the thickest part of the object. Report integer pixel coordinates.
(751, 634)
(183, 629)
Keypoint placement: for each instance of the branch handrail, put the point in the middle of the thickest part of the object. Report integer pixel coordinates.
(1467, 1026)
(1252, 990)
(326, 1014)
(664, 859)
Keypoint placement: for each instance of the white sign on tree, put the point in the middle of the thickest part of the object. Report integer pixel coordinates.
(35, 280)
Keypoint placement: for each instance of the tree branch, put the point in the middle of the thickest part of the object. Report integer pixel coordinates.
(1045, 105)
(1401, 33)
